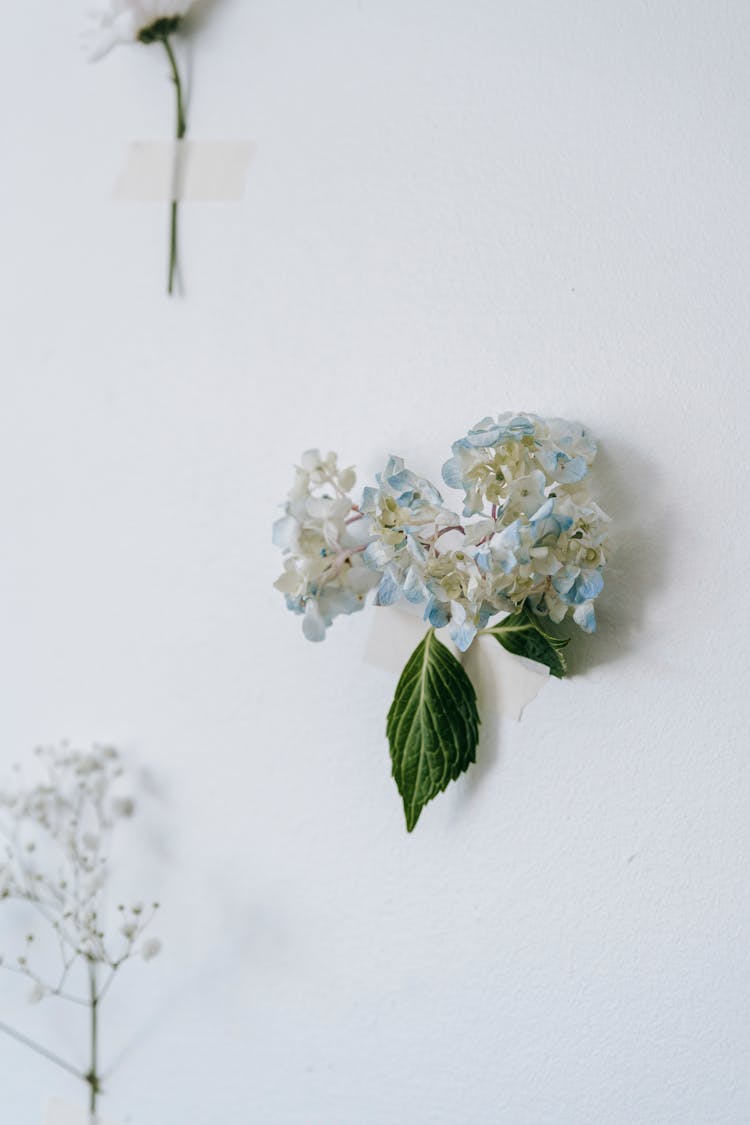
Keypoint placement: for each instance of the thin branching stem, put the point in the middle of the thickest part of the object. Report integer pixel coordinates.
(40, 1050)
(93, 1077)
(66, 890)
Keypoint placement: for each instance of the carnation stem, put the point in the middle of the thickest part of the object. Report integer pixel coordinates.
(181, 130)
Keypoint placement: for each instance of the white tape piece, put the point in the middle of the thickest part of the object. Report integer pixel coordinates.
(59, 1112)
(184, 171)
(504, 683)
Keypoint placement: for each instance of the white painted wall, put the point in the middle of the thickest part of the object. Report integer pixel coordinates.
(453, 209)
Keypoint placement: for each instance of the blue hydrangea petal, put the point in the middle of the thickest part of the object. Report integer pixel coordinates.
(573, 470)
(437, 613)
(585, 617)
(484, 433)
(388, 590)
(587, 587)
(463, 635)
(414, 588)
(563, 582)
(453, 473)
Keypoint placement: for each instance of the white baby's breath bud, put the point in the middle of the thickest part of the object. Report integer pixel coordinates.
(95, 883)
(123, 806)
(129, 930)
(151, 948)
(37, 994)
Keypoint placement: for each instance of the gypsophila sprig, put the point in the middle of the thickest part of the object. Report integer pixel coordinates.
(116, 22)
(527, 550)
(57, 832)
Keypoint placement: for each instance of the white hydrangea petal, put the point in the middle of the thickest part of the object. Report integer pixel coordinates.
(585, 617)
(313, 625)
(310, 460)
(284, 532)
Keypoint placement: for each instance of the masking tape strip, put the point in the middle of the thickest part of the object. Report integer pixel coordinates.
(184, 171)
(504, 683)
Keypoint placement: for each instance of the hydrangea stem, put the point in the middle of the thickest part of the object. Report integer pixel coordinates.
(181, 130)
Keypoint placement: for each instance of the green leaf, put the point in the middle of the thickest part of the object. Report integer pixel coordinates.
(523, 634)
(433, 725)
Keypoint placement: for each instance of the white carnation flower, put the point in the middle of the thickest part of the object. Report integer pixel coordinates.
(116, 22)
(144, 21)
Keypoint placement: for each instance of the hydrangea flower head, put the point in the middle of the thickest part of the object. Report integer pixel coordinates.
(530, 532)
(324, 535)
(404, 510)
(491, 458)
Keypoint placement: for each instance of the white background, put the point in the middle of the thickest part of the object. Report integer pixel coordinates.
(453, 209)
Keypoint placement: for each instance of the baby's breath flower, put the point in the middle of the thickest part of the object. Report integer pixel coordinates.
(151, 948)
(37, 994)
(61, 865)
(59, 830)
(123, 806)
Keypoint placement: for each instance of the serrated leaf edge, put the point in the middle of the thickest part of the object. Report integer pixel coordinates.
(530, 623)
(420, 667)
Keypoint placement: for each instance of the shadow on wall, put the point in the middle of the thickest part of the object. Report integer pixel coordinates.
(201, 14)
(628, 489)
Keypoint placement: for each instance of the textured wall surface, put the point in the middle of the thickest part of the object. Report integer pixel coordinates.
(452, 209)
